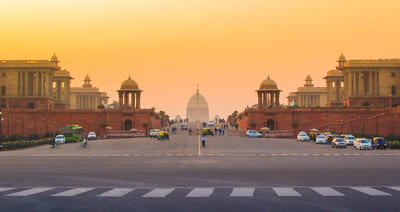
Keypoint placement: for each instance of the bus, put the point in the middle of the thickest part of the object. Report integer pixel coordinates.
(73, 133)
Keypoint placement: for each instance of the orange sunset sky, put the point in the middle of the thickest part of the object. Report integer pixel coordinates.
(227, 46)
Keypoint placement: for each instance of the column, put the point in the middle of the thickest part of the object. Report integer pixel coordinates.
(120, 99)
(277, 99)
(126, 99)
(133, 99)
(272, 98)
(259, 99)
(264, 99)
(138, 100)
(377, 84)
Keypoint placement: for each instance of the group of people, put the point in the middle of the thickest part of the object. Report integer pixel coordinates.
(221, 131)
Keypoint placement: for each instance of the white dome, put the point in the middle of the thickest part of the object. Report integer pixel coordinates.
(197, 108)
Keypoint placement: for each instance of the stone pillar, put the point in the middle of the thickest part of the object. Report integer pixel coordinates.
(265, 99)
(121, 99)
(133, 100)
(259, 99)
(377, 84)
(126, 98)
(272, 98)
(277, 99)
(138, 100)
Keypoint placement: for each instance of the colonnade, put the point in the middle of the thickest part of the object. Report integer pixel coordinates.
(310, 100)
(129, 98)
(34, 83)
(362, 83)
(268, 98)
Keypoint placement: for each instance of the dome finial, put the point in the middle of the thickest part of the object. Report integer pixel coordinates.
(268, 77)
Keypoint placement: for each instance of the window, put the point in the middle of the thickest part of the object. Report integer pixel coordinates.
(393, 90)
(3, 90)
(393, 74)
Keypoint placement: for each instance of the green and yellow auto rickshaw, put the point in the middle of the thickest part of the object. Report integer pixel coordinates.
(161, 135)
(207, 131)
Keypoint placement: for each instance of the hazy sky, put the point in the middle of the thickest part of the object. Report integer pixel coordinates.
(227, 46)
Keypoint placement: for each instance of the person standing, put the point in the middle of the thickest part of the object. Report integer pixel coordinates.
(203, 142)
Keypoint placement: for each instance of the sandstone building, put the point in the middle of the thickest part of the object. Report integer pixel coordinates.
(308, 96)
(87, 96)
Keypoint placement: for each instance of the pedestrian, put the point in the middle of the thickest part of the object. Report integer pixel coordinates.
(84, 142)
(190, 131)
(220, 131)
(203, 142)
(223, 132)
(53, 144)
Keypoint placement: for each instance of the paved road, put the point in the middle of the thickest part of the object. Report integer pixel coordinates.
(232, 173)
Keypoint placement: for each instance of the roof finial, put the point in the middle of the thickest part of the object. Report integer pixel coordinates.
(197, 88)
(129, 76)
(268, 77)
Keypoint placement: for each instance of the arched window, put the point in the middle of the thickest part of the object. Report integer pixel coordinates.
(3, 90)
(393, 90)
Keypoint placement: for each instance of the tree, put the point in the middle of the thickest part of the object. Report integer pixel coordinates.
(100, 106)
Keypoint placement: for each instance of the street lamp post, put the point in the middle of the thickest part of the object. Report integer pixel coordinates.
(1, 129)
(341, 126)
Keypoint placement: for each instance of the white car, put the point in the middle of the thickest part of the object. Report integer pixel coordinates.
(349, 139)
(302, 136)
(362, 144)
(153, 133)
(211, 123)
(253, 133)
(60, 139)
(91, 136)
(321, 139)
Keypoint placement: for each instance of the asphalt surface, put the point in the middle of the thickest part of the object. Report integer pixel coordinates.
(231, 174)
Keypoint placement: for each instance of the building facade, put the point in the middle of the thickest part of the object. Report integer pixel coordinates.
(308, 96)
(87, 96)
(370, 82)
(32, 84)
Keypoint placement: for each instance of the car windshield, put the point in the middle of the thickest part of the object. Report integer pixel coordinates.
(364, 141)
(321, 136)
(339, 140)
(350, 137)
(59, 136)
(252, 131)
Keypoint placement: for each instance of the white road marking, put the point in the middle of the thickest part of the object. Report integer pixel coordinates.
(116, 192)
(316, 154)
(6, 189)
(242, 192)
(396, 188)
(305, 154)
(370, 191)
(29, 192)
(200, 192)
(72, 192)
(286, 192)
(327, 191)
(159, 192)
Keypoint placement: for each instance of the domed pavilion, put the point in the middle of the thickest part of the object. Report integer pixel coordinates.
(197, 108)
(129, 94)
(268, 94)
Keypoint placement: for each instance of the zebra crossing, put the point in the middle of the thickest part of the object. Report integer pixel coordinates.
(203, 192)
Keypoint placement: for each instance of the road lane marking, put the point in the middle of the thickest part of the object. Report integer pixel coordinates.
(29, 192)
(116, 192)
(242, 192)
(72, 192)
(159, 192)
(396, 188)
(327, 191)
(286, 192)
(200, 192)
(370, 191)
(6, 189)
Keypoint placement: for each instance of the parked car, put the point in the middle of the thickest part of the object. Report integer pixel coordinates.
(153, 133)
(339, 142)
(302, 136)
(321, 139)
(161, 135)
(60, 139)
(349, 139)
(362, 144)
(91, 136)
(253, 133)
(379, 143)
(184, 127)
(211, 123)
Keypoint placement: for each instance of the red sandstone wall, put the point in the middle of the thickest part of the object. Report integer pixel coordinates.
(19, 121)
(370, 121)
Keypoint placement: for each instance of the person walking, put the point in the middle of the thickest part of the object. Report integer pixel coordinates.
(53, 144)
(84, 142)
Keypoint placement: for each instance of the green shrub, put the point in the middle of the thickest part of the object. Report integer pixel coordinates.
(15, 137)
(393, 144)
(23, 144)
(392, 138)
(34, 137)
(49, 135)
